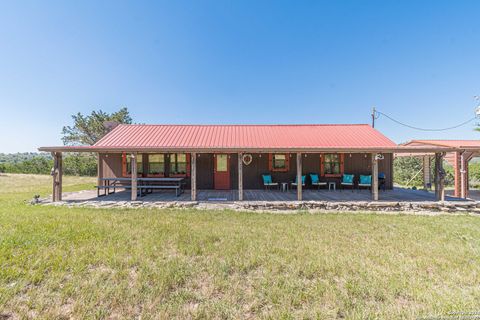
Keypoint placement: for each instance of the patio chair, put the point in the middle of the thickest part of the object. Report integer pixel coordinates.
(267, 181)
(365, 182)
(295, 183)
(381, 181)
(347, 181)
(316, 181)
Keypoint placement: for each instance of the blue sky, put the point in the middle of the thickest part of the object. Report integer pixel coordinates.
(238, 62)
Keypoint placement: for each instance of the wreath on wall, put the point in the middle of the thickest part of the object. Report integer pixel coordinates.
(247, 159)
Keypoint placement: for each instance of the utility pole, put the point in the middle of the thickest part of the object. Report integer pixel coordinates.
(373, 117)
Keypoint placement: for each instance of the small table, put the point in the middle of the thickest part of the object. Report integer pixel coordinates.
(284, 186)
(332, 185)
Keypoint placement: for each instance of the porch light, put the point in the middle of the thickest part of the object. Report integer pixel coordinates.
(350, 155)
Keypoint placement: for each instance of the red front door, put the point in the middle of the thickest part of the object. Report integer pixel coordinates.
(221, 172)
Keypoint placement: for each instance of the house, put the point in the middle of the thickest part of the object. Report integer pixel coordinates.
(236, 156)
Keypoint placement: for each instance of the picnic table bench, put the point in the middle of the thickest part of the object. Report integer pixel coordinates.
(144, 185)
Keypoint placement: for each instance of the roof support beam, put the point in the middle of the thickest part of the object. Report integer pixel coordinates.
(240, 176)
(374, 177)
(193, 173)
(427, 173)
(439, 177)
(299, 176)
(57, 174)
(133, 164)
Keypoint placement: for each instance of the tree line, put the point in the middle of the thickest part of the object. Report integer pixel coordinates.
(73, 164)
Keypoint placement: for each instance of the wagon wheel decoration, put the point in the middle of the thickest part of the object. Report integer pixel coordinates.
(247, 159)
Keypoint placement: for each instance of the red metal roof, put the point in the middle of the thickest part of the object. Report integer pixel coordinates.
(461, 144)
(313, 136)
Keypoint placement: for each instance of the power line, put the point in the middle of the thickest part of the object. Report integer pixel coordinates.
(376, 114)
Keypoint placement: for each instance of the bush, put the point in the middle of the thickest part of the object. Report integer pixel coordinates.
(84, 164)
(407, 171)
(404, 170)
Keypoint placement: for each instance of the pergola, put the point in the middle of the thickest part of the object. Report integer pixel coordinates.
(463, 151)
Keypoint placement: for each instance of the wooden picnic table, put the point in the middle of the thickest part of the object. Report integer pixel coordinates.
(144, 185)
(149, 184)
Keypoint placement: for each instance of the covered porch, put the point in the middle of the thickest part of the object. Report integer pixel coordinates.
(237, 192)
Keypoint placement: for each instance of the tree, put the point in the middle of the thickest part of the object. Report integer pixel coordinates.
(88, 129)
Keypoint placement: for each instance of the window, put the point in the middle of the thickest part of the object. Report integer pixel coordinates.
(156, 165)
(179, 164)
(279, 162)
(222, 162)
(332, 164)
(127, 164)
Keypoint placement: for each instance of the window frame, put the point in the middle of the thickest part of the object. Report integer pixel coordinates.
(271, 160)
(341, 159)
(124, 164)
(161, 175)
(187, 161)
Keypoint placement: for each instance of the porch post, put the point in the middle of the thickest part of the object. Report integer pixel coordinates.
(457, 164)
(99, 173)
(299, 176)
(463, 175)
(374, 177)
(133, 164)
(439, 177)
(193, 187)
(240, 176)
(57, 174)
(427, 179)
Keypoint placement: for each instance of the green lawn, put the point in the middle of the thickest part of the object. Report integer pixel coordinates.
(78, 263)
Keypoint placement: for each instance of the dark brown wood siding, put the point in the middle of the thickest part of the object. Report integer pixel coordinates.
(252, 174)
(361, 164)
(205, 171)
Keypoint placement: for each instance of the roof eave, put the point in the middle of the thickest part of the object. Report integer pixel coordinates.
(366, 149)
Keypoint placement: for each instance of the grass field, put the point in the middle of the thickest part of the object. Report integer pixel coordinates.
(103, 263)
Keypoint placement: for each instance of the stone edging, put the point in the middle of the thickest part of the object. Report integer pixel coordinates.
(287, 206)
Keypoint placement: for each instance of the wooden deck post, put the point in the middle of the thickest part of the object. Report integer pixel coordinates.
(99, 173)
(457, 164)
(374, 177)
(439, 177)
(133, 164)
(463, 175)
(193, 173)
(427, 178)
(57, 174)
(240, 176)
(299, 176)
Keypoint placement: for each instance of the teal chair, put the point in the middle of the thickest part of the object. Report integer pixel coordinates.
(295, 183)
(316, 181)
(268, 182)
(347, 181)
(365, 182)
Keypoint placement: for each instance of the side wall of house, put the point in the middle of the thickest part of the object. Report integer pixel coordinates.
(252, 174)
